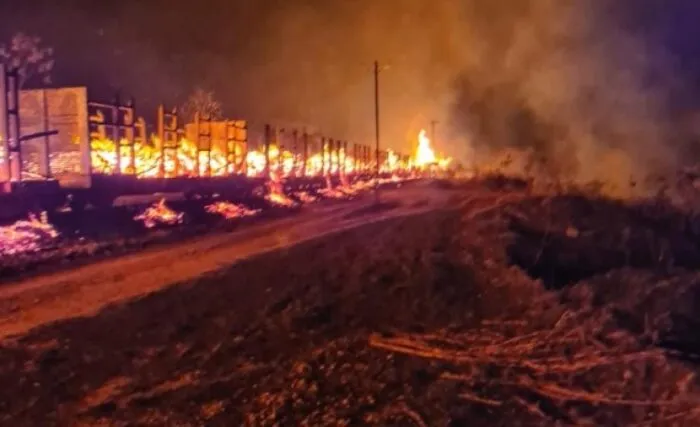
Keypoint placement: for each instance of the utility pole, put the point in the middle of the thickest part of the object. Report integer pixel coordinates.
(376, 129)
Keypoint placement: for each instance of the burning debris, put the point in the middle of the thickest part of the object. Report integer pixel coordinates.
(276, 195)
(280, 199)
(159, 214)
(30, 235)
(333, 193)
(306, 197)
(231, 210)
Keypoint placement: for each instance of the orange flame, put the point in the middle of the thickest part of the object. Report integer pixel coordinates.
(424, 153)
(231, 210)
(28, 235)
(159, 213)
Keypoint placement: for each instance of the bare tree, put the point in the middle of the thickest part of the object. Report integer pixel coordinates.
(204, 103)
(26, 54)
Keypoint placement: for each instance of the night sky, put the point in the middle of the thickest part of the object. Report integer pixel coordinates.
(310, 61)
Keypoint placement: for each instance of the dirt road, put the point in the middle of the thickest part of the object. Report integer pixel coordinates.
(86, 290)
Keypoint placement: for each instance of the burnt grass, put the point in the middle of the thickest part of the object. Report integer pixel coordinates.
(282, 339)
(98, 233)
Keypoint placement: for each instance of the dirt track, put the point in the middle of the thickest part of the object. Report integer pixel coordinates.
(86, 290)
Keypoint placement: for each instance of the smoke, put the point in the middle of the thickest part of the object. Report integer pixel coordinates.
(597, 89)
(583, 90)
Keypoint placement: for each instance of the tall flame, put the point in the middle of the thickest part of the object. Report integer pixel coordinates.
(424, 154)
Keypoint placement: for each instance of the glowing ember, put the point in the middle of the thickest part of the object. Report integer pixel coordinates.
(231, 210)
(280, 199)
(159, 213)
(306, 197)
(30, 235)
(333, 193)
(342, 191)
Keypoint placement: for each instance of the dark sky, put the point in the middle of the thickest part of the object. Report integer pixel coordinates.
(294, 61)
(610, 67)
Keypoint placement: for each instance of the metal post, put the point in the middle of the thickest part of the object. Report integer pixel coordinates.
(161, 135)
(4, 137)
(323, 156)
(295, 153)
(196, 142)
(266, 170)
(305, 157)
(231, 156)
(280, 149)
(131, 122)
(15, 127)
(345, 156)
(46, 167)
(115, 135)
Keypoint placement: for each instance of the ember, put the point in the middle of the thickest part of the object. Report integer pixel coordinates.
(231, 210)
(280, 199)
(24, 236)
(306, 197)
(159, 213)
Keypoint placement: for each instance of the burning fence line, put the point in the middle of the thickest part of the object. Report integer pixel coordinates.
(159, 214)
(149, 160)
(25, 236)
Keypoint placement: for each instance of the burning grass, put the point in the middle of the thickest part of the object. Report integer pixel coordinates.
(159, 214)
(230, 210)
(27, 236)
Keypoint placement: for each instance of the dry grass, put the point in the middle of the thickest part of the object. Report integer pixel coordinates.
(579, 370)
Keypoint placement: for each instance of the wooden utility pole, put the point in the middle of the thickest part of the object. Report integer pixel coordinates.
(376, 129)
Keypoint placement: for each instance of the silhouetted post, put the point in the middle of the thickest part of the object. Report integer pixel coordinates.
(323, 156)
(305, 156)
(6, 172)
(268, 136)
(376, 129)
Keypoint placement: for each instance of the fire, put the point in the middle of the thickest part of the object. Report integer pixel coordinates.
(424, 154)
(24, 236)
(231, 210)
(306, 197)
(276, 194)
(159, 213)
(392, 162)
(148, 157)
(150, 161)
(280, 199)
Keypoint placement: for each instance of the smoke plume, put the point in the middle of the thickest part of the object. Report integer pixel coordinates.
(596, 89)
(576, 84)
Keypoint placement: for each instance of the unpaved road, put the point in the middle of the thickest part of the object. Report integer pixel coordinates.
(86, 290)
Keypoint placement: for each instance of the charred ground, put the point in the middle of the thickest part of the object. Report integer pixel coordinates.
(434, 319)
